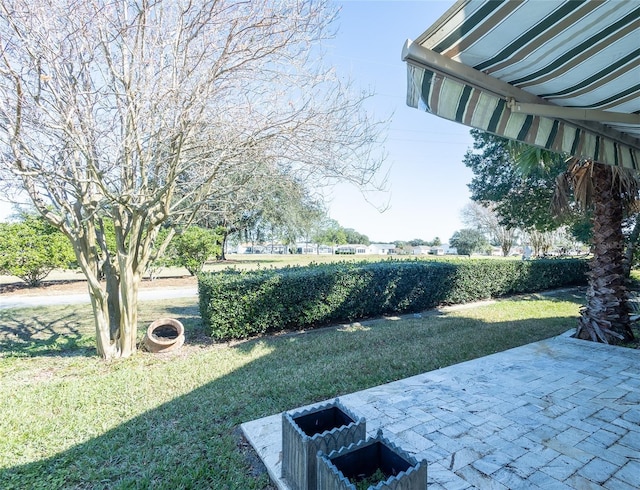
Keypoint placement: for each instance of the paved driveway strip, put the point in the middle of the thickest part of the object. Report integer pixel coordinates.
(25, 301)
(558, 414)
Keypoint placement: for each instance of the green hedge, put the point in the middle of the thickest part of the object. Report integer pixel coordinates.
(240, 304)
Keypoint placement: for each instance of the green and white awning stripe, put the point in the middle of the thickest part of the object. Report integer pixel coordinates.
(578, 54)
(456, 101)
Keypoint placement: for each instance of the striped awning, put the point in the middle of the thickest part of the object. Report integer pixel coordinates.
(562, 75)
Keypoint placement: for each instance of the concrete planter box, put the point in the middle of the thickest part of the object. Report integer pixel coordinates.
(342, 469)
(323, 428)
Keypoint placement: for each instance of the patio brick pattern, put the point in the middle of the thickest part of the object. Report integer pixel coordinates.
(561, 413)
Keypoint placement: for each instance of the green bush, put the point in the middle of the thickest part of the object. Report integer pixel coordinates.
(194, 246)
(32, 248)
(240, 304)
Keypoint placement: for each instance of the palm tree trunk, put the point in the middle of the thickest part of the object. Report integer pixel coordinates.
(605, 317)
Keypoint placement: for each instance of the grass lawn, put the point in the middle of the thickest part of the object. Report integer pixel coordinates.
(71, 420)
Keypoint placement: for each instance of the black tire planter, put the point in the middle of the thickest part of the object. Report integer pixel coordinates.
(164, 335)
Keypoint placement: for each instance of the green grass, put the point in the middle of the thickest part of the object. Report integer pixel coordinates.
(71, 420)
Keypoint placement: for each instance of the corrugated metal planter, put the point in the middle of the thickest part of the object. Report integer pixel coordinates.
(376, 461)
(323, 428)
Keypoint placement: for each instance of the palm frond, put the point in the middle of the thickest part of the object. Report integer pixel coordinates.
(562, 195)
(531, 160)
(580, 175)
(628, 182)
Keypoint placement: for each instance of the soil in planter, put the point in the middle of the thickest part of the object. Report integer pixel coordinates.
(319, 422)
(364, 482)
(165, 332)
(367, 461)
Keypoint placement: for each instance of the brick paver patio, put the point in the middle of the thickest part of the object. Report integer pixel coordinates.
(558, 414)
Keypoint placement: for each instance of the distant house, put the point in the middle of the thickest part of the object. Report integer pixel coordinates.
(351, 249)
(443, 249)
(306, 248)
(276, 248)
(381, 249)
(313, 248)
(248, 249)
(421, 250)
(241, 248)
(449, 250)
(273, 248)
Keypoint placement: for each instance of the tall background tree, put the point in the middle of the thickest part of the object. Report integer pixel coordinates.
(520, 199)
(487, 221)
(468, 241)
(330, 233)
(134, 111)
(524, 182)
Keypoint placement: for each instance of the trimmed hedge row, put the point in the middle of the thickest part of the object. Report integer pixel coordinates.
(240, 304)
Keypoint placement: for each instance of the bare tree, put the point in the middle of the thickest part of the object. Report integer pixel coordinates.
(540, 241)
(486, 220)
(131, 111)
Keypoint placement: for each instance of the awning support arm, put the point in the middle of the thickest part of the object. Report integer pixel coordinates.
(572, 113)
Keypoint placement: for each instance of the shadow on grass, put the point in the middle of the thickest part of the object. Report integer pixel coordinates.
(192, 441)
(69, 330)
(41, 288)
(31, 336)
(574, 295)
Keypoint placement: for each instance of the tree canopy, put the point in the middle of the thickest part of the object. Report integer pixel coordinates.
(468, 241)
(520, 199)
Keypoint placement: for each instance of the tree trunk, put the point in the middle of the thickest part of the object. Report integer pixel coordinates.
(127, 302)
(223, 256)
(506, 246)
(116, 314)
(605, 317)
(104, 345)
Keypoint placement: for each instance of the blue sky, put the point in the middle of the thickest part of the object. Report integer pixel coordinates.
(427, 179)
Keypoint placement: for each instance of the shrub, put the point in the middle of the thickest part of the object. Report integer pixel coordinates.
(32, 248)
(240, 304)
(194, 247)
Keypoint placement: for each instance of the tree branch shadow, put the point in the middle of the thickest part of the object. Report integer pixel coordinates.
(34, 336)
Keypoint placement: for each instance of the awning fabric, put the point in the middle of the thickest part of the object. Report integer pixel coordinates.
(513, 67)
